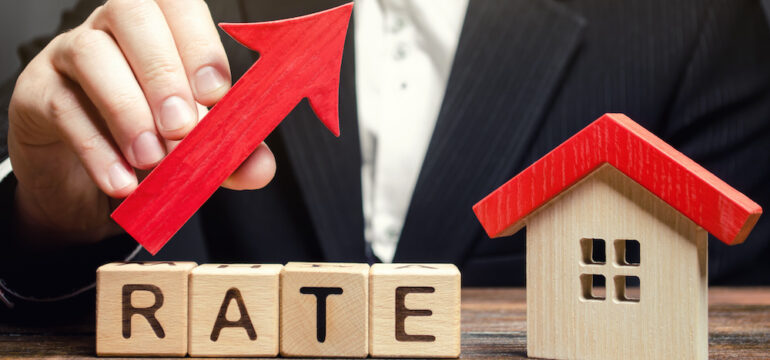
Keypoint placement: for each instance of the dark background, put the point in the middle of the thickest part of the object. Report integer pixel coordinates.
(20, 22)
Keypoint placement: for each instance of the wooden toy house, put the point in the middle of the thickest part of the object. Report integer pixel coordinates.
(617, 225)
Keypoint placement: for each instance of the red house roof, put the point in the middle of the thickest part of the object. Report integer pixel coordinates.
(615, 139)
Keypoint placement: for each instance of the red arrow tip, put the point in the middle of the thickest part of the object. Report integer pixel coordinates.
(320, 60)
(259, 36)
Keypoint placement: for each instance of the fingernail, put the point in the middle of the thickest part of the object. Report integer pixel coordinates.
(208, 80)
(119, 176)
(175, 114)
(147, 149)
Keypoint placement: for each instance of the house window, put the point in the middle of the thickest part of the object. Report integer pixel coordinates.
(624, 284)
(627, 252)
(593, 251)
(627, 288)
(593, 286)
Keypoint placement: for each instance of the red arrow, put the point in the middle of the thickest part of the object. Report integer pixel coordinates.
(299, 58)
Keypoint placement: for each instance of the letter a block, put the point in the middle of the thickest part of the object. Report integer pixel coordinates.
(324, 310)
(415, 310)
(141, 308)
(234, 310)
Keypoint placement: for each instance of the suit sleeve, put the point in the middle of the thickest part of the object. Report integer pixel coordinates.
(720, 117)
(37, 282)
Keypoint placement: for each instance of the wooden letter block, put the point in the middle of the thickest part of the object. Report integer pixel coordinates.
(141, 308)
(234, 310)
(324, 310)
(415, 310)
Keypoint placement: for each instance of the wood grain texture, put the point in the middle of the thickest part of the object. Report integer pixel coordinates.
(670, 318)
(414, 310)
(251, 332)
(619, 141)
(125, 292)
(345, 332)
(299, 58)
(493, 326)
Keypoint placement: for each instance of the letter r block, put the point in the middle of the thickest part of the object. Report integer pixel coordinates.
(234, 310)
(141, 308)
(414, 310)
(324, 310)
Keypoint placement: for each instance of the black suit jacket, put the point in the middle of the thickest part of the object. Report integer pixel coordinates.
(527, 75)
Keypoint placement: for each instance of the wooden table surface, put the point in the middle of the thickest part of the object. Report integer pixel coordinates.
(493, 326)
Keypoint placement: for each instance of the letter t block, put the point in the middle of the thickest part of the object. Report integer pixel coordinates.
(324, 309)
(141, 308)
(414, 310)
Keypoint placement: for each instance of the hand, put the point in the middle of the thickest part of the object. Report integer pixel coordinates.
(113, 95)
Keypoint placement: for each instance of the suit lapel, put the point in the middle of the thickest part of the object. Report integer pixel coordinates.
(328, 169)
(509, 62)
(491, 110)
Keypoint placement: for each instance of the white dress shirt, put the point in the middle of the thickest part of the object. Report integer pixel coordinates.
(404, 53)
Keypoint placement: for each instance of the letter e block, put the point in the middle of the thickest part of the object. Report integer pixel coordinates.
(414, 310)
(141, 308)
(324, 310)
(234, 310)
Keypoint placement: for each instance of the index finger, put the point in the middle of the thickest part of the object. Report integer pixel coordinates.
(146, 41)
(200, 48)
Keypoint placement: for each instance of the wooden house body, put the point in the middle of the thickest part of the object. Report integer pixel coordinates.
(617, 227)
